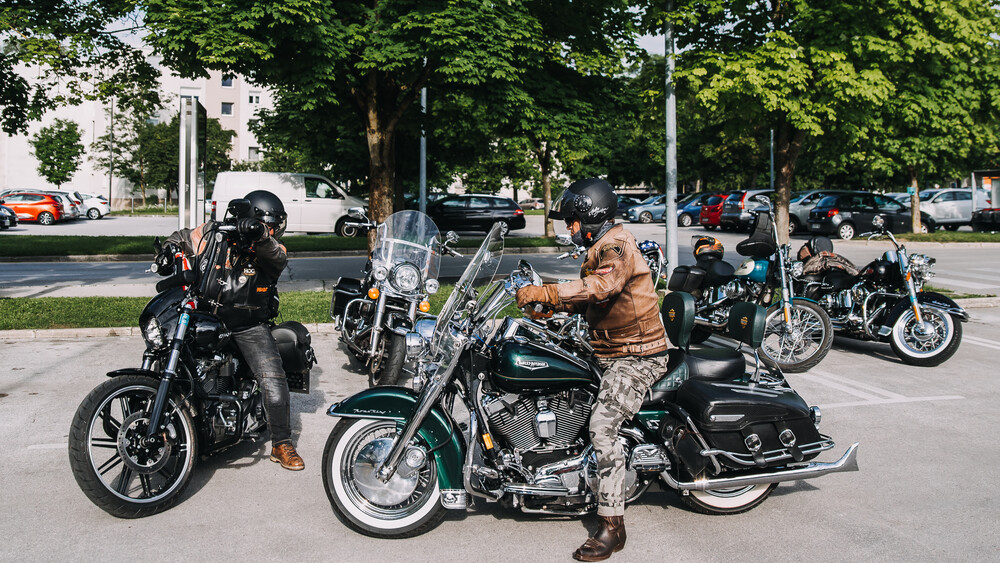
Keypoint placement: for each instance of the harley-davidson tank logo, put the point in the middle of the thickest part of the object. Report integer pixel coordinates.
(672, 314)
(530, 365)
(744, 322)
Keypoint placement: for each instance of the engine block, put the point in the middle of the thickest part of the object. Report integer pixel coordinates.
(539, 422)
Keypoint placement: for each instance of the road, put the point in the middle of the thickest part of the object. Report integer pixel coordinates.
(926, 490)
(962, 268)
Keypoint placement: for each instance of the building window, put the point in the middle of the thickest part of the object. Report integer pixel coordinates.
(227, 108)
(227, 81)
(254, 154)
(254, 99)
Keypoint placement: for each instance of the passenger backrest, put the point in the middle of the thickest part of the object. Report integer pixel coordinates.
(678, 313)
(746, 323)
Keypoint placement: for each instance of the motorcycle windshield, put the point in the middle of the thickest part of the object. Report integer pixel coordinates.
(407, 237)
(476, 276)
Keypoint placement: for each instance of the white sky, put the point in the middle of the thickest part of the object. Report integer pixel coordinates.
(652, 43)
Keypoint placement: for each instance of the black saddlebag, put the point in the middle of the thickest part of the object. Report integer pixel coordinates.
(297, 356)
(686, 278)
(346, 290)
(733, 416)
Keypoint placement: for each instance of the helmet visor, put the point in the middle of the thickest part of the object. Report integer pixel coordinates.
(563, 206)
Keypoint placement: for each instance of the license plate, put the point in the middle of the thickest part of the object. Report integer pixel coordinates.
(814, 226)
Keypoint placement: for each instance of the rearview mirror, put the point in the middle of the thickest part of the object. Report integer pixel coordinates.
(564, 240)
(878, 221)
(450, 237)
(239, 208)
(357, 213)
(762, 199)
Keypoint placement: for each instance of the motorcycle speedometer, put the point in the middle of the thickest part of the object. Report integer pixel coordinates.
(405, 277)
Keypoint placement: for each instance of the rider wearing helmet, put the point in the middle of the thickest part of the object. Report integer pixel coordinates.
(615, 293)
(246, 299)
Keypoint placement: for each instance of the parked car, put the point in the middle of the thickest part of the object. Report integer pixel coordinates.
(8, 217)
(986, 220)
(689, 208)
(95, 206)
(711, 211)
(901, 197)
(28, 206)
(532, 203)
(801, 204)
(736, 210)
(625, 203)
(649, 210)
(476, 212)
(71, 211)
(951, 208)
(848, 214)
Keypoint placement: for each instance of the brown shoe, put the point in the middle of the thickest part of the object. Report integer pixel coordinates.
(610, 537)
(286, 455)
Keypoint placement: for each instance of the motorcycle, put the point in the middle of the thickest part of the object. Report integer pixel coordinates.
(885, 302)
(398, 459)
(798, 334)
(650, 249)
(136, 438)
(375, 313)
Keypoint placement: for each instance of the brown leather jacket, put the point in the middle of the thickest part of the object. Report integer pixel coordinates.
(615, 293)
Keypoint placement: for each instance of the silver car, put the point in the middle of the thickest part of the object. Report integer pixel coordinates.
(94, 206)
(801, 204)
(951, 208)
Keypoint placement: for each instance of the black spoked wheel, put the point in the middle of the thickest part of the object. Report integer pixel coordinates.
(407, 505)
(801, 343)
(116, 466)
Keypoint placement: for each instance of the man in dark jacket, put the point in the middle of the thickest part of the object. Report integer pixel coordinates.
(243, 299)
(615, 294)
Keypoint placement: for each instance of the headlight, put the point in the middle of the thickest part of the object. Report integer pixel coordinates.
(796, 268)
(920, 266)
(380, 273)
(405, 277)
(153, 333)
(432, 286)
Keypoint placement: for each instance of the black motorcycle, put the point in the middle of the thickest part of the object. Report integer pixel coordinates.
(136, 438)
(722, 437)
(885, 302)
(375, 313)
(798, 334)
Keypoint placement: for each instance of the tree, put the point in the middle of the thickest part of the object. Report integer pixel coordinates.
(71, 55)
(119, 152)
(58, 150)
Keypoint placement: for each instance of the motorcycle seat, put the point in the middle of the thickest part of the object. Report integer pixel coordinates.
(838, 279)
(703, 364)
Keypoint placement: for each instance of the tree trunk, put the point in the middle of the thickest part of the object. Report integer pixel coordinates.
(787, 148)
(915, 199)
(545, 166)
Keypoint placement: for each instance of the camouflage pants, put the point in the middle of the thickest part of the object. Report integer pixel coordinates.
(623, 387)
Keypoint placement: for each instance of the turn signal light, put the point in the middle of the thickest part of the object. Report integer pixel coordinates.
(373, 293)
(488, 441)
(424, 306)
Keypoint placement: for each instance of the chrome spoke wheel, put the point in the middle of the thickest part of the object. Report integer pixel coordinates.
(802, 342)
(926, 343)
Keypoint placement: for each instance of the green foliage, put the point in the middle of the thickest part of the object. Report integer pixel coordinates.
(58, 150)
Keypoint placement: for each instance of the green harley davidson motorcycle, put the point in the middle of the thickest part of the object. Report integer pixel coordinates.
(502, 408)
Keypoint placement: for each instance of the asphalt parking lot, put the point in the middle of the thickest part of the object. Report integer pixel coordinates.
(926, 489)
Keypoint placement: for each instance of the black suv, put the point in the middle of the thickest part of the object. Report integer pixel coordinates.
(475, 212)
(848, 214)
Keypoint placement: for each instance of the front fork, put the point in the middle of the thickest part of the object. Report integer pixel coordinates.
(169, 373)
(376, 326)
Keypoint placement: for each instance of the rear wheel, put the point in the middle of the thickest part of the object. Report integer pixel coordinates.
(93, 213)
(728, 501)
(709, 227)
(846, 231)
(46, 218)
(793, 225)
(504, 228)
(801, 344)
(406, 506)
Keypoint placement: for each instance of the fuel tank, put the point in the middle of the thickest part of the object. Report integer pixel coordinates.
(520, 365)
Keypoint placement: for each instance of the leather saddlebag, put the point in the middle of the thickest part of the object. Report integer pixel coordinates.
(297, 356)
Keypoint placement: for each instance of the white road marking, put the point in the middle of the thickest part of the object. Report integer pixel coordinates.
(991, 270)
(891, 401)
(962, 283)
(875, 395)
(829, 378)
(61, 446)
(981, 342)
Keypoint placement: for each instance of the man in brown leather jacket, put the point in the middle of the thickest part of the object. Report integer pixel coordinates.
(615, 294)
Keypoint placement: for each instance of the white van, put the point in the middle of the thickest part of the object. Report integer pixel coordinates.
(314, 204)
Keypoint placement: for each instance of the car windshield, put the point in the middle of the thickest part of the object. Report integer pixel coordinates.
(926, 196)
(796, 197)
(477, 274)
(408, 236)
(736, 196)
(650, 199)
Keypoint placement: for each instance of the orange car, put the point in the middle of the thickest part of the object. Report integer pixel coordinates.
(31, 206)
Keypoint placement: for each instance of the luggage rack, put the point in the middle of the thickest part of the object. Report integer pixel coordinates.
(774, 455)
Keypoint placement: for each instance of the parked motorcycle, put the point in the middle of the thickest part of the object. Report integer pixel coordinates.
(798, 333)
(136, 438)
(375, 313)
(650, 249)
(885, 302)
(397, 459)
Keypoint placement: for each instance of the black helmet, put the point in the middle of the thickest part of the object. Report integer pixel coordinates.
(591, 201)
(267, 207)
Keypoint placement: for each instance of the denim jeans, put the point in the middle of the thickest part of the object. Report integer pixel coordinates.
(260, 353)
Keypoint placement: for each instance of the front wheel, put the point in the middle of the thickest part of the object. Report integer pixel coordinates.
(685, 220)
(117, 467)
(408, 505)
(645, 217)
(395, 357)
(728, 501)
(46, 218)
(928, 344)
(347, 229)
(800, 344)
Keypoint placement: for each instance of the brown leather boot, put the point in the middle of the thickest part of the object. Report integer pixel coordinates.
(286, 455)
(610, 537)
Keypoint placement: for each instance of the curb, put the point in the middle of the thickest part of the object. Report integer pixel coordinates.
(322, 329)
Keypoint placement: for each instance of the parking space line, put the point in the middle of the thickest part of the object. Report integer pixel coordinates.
(981, 342)
(61, 446)
(852, 387)
(849, 384)
(891, 401)
(963, 283)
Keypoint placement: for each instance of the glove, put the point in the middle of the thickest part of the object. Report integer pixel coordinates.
(547, 294)
(252, 229)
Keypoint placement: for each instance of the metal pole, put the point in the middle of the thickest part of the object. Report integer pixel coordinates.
(193, 166)
(423, 151)
(772, 159)
(181, 166)
(670, 213)
(111, 151)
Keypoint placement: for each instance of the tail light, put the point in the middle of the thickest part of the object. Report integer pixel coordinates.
(518, 211)
(832, 212)
(742, 200)
(213, 210)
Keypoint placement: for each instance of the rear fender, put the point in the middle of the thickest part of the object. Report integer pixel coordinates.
(135, 371)
(927, 299)
(439, 431)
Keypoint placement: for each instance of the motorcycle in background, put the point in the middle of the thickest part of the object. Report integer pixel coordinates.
(720, 436)
(136, 438)
(375, 313)
(798, 334)
(885, 302)
(650, 249)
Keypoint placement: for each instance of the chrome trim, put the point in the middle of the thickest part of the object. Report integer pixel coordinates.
(454, 499)
(535, 490)
(848, 462)
(773, 455)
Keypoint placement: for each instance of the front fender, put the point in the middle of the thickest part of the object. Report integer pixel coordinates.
(439, 431)
(928, 299)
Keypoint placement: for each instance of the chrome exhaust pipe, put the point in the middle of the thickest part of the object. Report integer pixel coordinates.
(848, 462)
